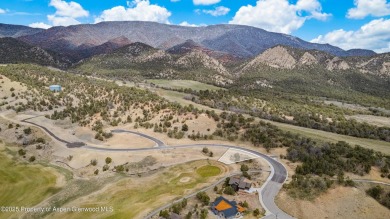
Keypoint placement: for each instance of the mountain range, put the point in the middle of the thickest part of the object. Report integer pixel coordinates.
(225, 44)
(236, 40)
(238, 57)
(192, 61)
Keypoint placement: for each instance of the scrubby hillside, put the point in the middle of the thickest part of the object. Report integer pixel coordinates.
(16, 51)
(139, 60)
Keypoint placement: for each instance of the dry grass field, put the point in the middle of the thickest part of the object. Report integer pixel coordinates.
(178, 84)
(372, 120)
(339, 202)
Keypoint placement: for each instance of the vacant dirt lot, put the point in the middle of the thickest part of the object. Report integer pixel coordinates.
(127, 140)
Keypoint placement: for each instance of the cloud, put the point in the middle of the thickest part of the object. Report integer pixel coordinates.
(39, 25)
(186, 24)
(13, 13)
(23, 13)
(62, 21)
(205, 2)
(66, 14)
(140, 10)
(218, 11)
(364, 8)
(68, 9)
(374, 35)
(279, 15)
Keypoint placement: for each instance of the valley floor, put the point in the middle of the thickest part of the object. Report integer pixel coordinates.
(136, 181)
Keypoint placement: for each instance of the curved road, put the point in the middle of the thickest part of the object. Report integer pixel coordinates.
(267, 192)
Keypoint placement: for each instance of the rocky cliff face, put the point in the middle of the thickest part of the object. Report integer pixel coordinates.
(283, 57)
(277, 57)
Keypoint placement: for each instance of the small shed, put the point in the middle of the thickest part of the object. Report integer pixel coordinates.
(55, 88)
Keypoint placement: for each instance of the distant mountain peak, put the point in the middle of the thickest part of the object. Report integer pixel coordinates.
(186, 47)
(190, 46)
(135, 49)
(122, 40)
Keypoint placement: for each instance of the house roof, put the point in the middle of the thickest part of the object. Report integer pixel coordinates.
(234, 180)
(223, 205)
(175, 216)
(240, 208)
(240, 182)
(229, 208)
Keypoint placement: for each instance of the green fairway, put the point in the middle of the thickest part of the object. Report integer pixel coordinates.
(177, 84)
(134, 198)
(376, 145)
(24, 184)
(208, 171)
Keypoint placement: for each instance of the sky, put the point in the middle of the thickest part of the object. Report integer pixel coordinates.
(344, 23)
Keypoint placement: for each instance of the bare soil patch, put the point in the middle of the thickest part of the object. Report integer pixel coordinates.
(127, 140)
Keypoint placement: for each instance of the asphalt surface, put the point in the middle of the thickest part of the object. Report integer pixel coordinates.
(67, 143)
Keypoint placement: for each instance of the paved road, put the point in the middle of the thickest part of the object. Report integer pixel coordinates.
(67, 143)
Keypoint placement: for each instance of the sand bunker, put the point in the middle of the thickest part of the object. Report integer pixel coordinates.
(185, 179)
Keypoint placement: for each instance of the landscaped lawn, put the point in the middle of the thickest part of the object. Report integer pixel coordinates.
(24, 184)
(208, 171)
